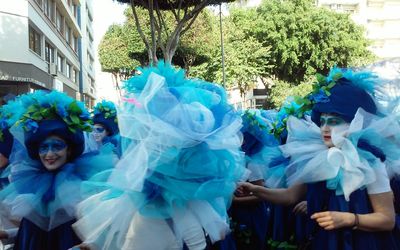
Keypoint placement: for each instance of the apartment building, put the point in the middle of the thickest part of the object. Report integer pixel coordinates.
(42, 46)
(381, 19)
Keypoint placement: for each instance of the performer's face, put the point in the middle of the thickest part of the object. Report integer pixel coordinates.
(99, 132)
(53, 152)
(331, 123)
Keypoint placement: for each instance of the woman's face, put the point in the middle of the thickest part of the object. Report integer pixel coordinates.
(53, 152)
(331, 123)
(99, 132)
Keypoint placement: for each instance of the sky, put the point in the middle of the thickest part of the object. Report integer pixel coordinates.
(106, 13)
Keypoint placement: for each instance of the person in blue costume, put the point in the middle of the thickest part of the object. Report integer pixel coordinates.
(46, 177)
(7, 228)
(338, 162)
(171, 188)
(249, 214)
(286, 224)
(105, 123)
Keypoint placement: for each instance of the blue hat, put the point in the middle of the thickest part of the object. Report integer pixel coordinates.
(344, 100)
(255, 131)
(44, 113)
(75, 140)
(105, 114)
(6, 143)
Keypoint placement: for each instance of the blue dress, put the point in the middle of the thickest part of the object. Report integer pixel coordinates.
(250, 225)
(395, 185)
(46, 200)
(31, 237)
(319, 199)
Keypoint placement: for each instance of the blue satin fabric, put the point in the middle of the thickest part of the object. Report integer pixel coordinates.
(319, 199)
(31, 237)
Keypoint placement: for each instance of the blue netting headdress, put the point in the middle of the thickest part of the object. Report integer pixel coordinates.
(343, 92)
(105, 113)
(43, 113)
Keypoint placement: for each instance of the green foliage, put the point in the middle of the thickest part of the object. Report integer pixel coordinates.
(122, 48)
(245, 57)
(173, 4)
(305, 39)
(281, 90)
(116, 47)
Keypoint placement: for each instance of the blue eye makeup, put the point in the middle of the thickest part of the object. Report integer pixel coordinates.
(52, 145)
(98, 129)
(331, 121)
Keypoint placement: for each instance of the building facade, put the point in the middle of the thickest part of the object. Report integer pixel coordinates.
(381, 19)
(41, 47)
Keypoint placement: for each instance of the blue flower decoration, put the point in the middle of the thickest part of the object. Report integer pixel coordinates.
(62, 112)
(319, 97)
(31, 125)
(85, 115)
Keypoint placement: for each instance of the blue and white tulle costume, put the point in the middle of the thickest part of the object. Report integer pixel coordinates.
(45, 201)
(178, 174)
(340, 178)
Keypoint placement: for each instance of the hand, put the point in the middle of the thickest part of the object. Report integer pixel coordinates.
(245, 189)
(300, 208)
(333, 220)
(3, 235)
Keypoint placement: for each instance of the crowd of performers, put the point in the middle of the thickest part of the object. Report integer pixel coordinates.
(174, 166)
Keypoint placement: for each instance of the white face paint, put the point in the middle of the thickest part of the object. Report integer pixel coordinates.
(332, 126)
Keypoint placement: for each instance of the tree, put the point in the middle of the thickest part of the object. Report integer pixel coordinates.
(305, 39)
(246, 59)
(162, 35)
(114, 53)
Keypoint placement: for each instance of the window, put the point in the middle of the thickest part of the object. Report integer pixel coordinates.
(49, 9)
(60, 63)
(39, 2)
(75, 44)
(90, 61)
(59, 22)
(49, 53)
(76, 76)
(68, 34)
(75, 10)
(35, 41)
(69, 71)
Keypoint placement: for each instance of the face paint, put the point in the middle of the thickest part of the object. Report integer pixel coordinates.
(332, 125)
(53, 152)
(54, 145)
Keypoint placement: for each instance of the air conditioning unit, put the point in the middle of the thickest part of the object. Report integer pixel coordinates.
(53, 69)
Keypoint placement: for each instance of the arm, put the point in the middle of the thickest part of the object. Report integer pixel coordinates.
(279, 196)
(381, 219)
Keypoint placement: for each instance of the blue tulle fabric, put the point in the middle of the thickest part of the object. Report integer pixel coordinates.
(346, 167)
(184, 155)
(48, 198)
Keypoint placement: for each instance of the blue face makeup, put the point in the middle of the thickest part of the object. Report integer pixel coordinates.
(53, 145)
(331, 121)
(98, 129)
